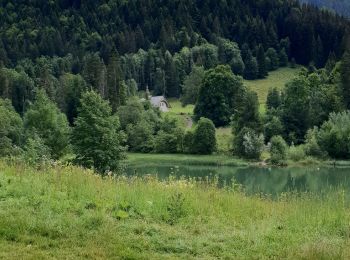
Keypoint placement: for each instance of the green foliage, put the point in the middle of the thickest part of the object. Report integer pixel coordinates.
(176, 208)
(273, 98)
(296, 153)
(97, 140)
(253, 145)
(204, 138)
(272, 55)
(219, 95)
(295, 109)
(192, 85)
(345, 78)
(188, 142)
(72, 87)
(261, 59)
(283, 58)
(247, 113)
(11, 129)
(140, 137)
(278, 150)
(247, 143)
(36, 153)
(333, 136)
(44, 119)
(312, 147)
(251, 70)
(131, 113)
(273, 126)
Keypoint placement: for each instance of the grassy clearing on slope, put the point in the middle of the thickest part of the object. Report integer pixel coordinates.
(277, 79)
(180, 113)
(69, 213)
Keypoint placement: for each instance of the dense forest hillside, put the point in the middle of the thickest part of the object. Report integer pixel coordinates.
(340, 6)
(155, 44)
(61, 60)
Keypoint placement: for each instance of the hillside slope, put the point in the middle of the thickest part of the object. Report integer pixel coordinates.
(340, 6)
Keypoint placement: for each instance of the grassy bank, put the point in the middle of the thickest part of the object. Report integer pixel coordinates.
(184, 159)
(69, 213)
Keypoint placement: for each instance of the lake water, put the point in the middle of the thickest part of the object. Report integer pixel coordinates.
(254, 180)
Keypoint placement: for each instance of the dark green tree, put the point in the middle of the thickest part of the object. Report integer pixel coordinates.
(251, 70)
(219, 95)
(44, 119)
(192, 85)
(278, 150)
(204, 137)
(345, 78)
(11, 129)
(261, 59)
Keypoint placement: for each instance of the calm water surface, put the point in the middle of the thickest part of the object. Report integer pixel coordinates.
(254, 180)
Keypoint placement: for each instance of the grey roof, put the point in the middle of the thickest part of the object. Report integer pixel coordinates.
(155, 101)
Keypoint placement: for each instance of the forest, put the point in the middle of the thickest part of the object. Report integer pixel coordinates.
(76, 78)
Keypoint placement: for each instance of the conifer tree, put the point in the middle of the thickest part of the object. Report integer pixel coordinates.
(261, 59)
(345, 78)
(114, 81)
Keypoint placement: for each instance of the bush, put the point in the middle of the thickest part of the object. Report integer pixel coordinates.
(248, 143)
(36, 153)
(296, 153)
(140, 137)
(204, 137)
(45, 120)
(165, 143)
(334, 135)
(11, 129)
(188, 142)
(278, 150)
(312, 147)
(253, 144)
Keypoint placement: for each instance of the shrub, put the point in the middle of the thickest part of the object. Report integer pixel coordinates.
(248, 144)
(140, 137)
(273, 127)
(204, 137)
(11, 129)
(312, 147)
(253, 144)
(296, 153)
(334, 135)
(188, 142)
(165, 143)
(36, 153)
(278, 150)
(45, 120)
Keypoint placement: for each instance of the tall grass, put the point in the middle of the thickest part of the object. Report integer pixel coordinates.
(71, 213)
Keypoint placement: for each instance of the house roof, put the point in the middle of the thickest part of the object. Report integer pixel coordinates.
(155, 101)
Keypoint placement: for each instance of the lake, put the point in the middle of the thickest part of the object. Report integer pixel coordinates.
(270, 181)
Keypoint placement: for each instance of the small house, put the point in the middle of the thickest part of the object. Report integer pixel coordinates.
(161, 103)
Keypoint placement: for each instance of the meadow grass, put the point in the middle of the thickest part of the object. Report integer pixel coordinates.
(71, 213)
(276, 79)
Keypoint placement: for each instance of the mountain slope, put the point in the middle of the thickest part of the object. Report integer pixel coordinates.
(340, 6)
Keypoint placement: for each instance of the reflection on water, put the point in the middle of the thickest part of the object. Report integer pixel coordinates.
(255, 180)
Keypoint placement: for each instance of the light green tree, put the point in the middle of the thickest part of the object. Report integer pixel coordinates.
(97, 140)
